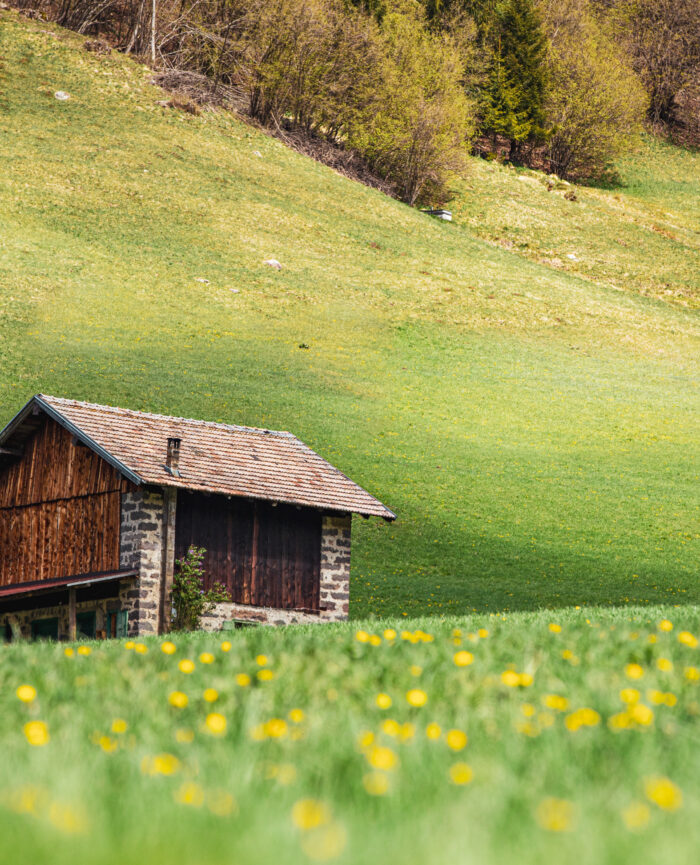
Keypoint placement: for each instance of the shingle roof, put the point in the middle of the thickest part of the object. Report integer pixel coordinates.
(214, 457)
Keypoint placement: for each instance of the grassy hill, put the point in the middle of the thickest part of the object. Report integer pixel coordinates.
(567, 737)
(533, 419)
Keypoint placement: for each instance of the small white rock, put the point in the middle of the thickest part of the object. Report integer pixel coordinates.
(201, 279)
(61, 95)
(272, 262)
(257, 153)
(572, 256)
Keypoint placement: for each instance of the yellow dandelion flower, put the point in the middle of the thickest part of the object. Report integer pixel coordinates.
(178, 699)
(554, 628)
(119, 725)
(381, 757)
(463, 658)
(636, 815)
(206, 658)
(276, 728)
(528, 710)
(211, 695)
(84, 650)
(257, 733)
(641, 714)
(619, 721)
(634, 671)
(186, 666)
(168, 648)
(108, 744)
(190, 794)
(362, 637)
(226, 647)
(139, 648)
(415, 670)
(376, 783)
(68, 652)
(664, 793)
(688, 639)
(665, 665)
(555, 815)
(129, 644)
(375, 640)
(325, 842)
(416, 697)
(692, 674)
(656, 697)
(665, 625)
(456, 739)
(556, 702)
(310, 813)
(526, 679)
(36, 732)
(629, 695)
(216, 723)
(265, 675)
(391, 727)
(510, 678)
(261, 660)
(390, 634)
(243, 680)
(160, 764)
(483, 633)
(365, 739)
(221, 803)
(407, 731)
(296, 716)
(433, 731)
(652, 638)
(184, 736)
(461, 773)
(67, 818)
(383, 701)
(26, 693)
(670, 699)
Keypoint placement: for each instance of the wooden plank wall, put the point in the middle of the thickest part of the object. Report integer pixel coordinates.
(264, 555)
(59, 510)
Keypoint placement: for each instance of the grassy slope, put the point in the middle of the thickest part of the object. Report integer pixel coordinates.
(87, 795)
(535, 431)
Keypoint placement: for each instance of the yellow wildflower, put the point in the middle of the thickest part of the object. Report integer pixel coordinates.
(555, 815)
(390, 634)
(629, 695)
(692, 674)
(108, 744)
(186, 666)
(178, 699)
(391, 727)
(36, 732)
(383, 701)
(206, 658)
(636, 815)
(160, 764)
(129, 644)
(688, 639)
(168, 647)
(416, 697)
(243, 680)
(463, 658)
(326, 842)
(276, 728)
(190, 794)
(26, 693)
(376, 783)
(310, 813)
(664, 793)
(641, 714)
(216, 723)
(665, 625)
(556, 702)
(664, 665)
(461, 773)
(456, 739)
(510, 678)
(184, 736)
(211, 695)
(226, 647)
(84, 650)
(483, 633)
(554, 628)
(265, 675)
(362, 637)
(381, 757)
(119, 725)
(261, 660)
(634, 671)
(433, 731)
(375, 640)
(139, 648)
(296, 716)
(68, 652)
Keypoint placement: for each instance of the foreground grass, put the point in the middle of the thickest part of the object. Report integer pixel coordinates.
(127, 777)
(535, 430)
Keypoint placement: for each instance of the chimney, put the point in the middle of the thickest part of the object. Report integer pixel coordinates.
(172, 461)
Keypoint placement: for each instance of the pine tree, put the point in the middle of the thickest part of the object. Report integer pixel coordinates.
(513, 100)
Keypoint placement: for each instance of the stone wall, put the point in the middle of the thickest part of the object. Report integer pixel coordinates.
(141, 548)
(335, 587)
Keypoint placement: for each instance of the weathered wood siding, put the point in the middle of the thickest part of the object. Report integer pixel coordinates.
(265, 556)
(59, 510)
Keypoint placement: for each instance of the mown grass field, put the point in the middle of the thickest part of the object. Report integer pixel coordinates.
(536, 737)
(535, 429)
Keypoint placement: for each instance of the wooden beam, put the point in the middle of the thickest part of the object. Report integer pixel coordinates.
(11, 452)
(72, 616)
(168, 557)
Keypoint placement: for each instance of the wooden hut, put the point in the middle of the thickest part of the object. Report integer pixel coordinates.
(96, 504)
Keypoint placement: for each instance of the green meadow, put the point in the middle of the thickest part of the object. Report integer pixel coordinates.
(535, 737)
(532, 420)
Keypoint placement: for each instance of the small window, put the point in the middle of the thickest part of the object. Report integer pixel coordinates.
(117, 624)
(45, 629)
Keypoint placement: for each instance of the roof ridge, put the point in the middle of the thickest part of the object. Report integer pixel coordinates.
(188, 420)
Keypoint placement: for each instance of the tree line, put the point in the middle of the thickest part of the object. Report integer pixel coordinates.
(412, 86)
